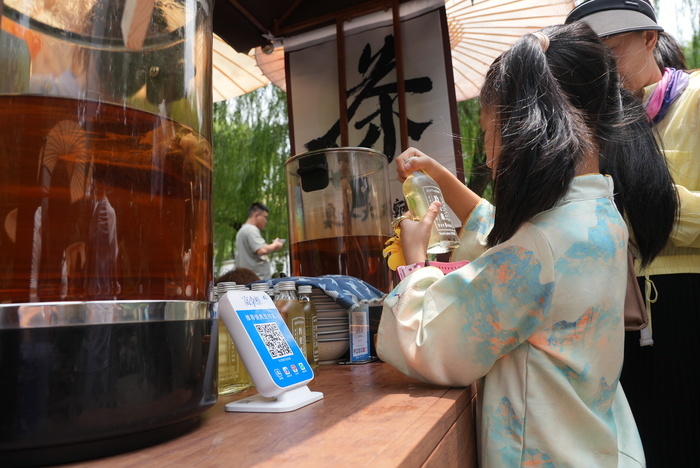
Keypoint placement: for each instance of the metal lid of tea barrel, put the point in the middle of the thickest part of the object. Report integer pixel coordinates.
(338, 192)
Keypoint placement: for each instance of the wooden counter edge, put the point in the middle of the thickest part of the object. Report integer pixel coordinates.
(457, 405)
(458, 448)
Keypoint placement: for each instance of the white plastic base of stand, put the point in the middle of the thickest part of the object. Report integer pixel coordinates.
(288, 401)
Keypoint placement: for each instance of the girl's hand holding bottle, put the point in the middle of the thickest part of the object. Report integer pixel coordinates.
(458, 196)
(416, 234)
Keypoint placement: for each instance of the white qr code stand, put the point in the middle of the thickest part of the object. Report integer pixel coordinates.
(279, 370)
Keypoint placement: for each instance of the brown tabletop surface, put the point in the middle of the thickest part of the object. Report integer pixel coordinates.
(371, 415)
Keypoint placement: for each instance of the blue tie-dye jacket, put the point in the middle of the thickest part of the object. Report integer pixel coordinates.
(537, 322)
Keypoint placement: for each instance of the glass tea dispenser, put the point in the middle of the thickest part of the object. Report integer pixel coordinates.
(107, 337)
(339, 214)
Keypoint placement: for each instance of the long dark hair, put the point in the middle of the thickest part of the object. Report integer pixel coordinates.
(554, 108)
(669, 53)
(644, 190)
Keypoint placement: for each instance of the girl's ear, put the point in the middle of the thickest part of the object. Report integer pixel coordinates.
(650, 39)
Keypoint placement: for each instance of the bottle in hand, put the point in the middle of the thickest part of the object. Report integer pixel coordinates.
(420, 190)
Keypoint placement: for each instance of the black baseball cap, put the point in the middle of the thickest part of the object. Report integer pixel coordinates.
(608, 17)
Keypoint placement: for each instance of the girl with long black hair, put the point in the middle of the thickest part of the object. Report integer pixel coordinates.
(536, 317)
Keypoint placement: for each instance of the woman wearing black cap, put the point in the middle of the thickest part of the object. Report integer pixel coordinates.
(662, 381)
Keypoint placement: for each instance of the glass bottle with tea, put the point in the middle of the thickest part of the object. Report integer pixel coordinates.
(292, 312)
(311, 317)
(420, 190)
(233, 376)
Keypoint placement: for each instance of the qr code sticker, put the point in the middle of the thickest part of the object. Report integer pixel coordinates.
(273, 339)
(359, 318)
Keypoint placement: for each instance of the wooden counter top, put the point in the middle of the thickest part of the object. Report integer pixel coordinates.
(371, 415)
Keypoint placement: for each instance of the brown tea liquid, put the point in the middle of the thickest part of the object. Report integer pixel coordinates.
(101, 202)
(358, 256)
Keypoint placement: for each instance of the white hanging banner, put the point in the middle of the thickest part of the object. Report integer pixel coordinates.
(372, 94)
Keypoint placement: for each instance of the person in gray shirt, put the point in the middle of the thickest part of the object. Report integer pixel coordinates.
(251, 248)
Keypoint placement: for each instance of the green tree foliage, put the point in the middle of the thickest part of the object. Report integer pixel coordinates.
(692, 52)
(691, 47)
(476, 174)
(251, 145)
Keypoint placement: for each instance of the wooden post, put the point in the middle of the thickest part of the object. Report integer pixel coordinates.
(398, 50)
(342, 83)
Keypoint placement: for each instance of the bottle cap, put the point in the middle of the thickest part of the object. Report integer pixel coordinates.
(305, 289)
(225, 286)
(229, 286)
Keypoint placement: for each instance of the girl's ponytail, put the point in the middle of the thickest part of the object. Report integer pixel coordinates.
(544, 137)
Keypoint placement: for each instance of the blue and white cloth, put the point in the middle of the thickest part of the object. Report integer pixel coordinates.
(346, 291)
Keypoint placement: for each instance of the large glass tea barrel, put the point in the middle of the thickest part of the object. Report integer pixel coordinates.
(339, 214)
(105, 224)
